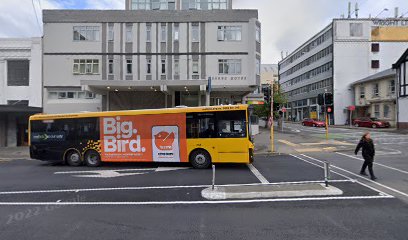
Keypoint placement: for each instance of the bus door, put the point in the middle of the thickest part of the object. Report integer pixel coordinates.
(232, 136)
(201, 133)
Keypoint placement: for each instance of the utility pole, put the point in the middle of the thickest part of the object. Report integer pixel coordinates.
(272, 133)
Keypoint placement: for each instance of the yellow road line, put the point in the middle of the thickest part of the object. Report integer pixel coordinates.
(288, 143)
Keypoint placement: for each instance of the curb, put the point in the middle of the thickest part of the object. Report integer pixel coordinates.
(269, 191)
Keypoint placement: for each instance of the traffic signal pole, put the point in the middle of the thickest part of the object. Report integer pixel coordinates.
(272, 133)
(326, 116)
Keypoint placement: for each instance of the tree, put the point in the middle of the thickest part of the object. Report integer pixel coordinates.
(279, 98)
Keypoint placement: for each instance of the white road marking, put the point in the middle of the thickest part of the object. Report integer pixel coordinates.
(116, 172)
(347, 177)
(257, 174)
(379, 164)
(374, 182)
(158, 187)
(194, 202)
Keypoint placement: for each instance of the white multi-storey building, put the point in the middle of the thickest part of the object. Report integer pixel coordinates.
(149, 56)
(343, 52)
(20, 88)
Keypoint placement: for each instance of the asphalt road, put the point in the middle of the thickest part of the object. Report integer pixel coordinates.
(150, 201)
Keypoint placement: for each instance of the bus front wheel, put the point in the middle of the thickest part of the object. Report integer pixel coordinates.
(73, 158)
(92, 158)
(200, 159)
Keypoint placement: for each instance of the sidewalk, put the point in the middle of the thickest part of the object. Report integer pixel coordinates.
(10, 153)
(391, 130)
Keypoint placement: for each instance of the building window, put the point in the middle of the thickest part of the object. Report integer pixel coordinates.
(403, 77)
(375, 47)
(163, 66)
(86, 66)
(258, 66)
(176, 32)
(141, 4)
(362, 92)
(195, 33)
(163, 33)
(129, 33)
(18, 72)
(148, 33)
(148, 66)
(229, 33)
(229, 66)
(86, 33)
(71, 95)
(129, 66)
(110, 33)
(375, 63)
(356, 29)
(386, 111)
(176, 67)
(195, 67)
(194, 4)
(392, 87)
(258, 34)
(110, 66)
(62, 95)
(217, 4)
(377, 110)
(376, 90)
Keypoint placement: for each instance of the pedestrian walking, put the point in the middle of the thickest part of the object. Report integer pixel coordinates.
(368, 152)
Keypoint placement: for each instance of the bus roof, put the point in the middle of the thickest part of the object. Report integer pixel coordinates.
(138, 112)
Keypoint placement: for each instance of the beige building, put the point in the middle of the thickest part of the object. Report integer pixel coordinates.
(269, 74)
(375, 96)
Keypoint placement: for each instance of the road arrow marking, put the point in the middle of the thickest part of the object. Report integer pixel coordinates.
(118, 172)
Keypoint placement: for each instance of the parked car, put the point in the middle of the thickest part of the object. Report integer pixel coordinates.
(370, 122)
(313, 123)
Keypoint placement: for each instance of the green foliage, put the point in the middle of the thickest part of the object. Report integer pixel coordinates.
(262, 110)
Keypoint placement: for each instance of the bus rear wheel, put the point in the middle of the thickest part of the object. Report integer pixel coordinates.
(92, 158)
(200, 159)
(73, 158)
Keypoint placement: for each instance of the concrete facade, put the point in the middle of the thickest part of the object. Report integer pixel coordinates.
(356, 48)
(20, 87)
(159, 55)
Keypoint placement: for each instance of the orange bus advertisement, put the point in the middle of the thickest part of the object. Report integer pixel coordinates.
(144, 138)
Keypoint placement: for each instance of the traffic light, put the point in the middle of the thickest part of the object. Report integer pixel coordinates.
(328, 98)
(276, 107)
(320, 99)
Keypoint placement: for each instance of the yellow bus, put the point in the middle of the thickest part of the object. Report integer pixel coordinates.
(199, 135)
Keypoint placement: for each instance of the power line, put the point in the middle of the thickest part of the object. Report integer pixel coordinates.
(35, 13)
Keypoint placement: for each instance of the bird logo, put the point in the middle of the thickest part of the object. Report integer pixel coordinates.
(164, 140)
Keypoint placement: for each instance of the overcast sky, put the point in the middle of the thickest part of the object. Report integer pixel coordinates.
(285, 23)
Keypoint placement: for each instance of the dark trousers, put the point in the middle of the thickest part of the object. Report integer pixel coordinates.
(368, 164)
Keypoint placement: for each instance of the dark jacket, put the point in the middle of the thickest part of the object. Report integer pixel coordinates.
(367, 148)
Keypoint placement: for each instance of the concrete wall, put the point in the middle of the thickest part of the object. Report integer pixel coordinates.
(403, 113)
(25, 48)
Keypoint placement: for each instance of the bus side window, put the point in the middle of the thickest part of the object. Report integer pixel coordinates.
(200, 125)
(88, 128)
(231, 124)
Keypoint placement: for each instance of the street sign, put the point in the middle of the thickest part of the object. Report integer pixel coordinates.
(352, 108)
(283, 109)
(313, 115)
(329, 109)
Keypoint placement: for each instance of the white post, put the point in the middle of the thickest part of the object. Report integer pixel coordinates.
(213, 176)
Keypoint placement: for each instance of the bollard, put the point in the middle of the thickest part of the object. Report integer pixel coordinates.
(326, 173)
(213, 176)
